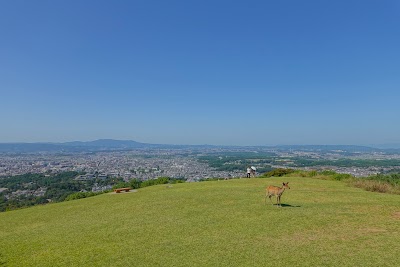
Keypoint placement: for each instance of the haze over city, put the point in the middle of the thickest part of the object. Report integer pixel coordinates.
(207, 72)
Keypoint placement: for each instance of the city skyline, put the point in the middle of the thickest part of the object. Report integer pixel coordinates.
(213, 72)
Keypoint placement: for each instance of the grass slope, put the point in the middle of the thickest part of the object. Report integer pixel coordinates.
(221, 223)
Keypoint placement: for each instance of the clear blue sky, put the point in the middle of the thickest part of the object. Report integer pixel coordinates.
(201, 72)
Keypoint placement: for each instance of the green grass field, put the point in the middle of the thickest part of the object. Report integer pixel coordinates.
(220, 223)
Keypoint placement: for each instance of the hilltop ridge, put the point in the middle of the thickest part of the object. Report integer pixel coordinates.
(215, 223)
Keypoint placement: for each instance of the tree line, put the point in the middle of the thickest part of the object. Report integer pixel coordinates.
(57, 188)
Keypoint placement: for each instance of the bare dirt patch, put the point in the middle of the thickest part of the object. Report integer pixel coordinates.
(396, 215)
(372, 230)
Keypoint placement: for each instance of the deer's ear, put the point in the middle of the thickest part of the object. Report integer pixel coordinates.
(287, 182)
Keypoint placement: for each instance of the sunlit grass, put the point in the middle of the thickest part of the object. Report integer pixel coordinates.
(221, 223)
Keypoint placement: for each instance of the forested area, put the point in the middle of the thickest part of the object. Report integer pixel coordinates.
(32, 189)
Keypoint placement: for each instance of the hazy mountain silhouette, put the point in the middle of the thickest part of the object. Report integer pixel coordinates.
(111, 144)
(107, 143)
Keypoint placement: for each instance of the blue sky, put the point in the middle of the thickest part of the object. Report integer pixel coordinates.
(200, 72)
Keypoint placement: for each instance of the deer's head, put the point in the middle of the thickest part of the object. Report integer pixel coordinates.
(286, 185)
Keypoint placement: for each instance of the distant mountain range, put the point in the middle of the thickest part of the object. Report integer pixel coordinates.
(79, 146)
(387, 146)
(110, 144)
(107, 143)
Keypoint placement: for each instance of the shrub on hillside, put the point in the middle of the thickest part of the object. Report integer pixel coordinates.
(80, 195)
(375, 186)
(159, 180)
(379, 183)
(176, 181)
(300, 173)
(312, 173)
(135, 183)
(341, 176)
(278, 172)
(393, 179)
(325, 175)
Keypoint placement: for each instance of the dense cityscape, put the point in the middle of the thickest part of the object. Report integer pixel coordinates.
(178, 163)
(126, 164)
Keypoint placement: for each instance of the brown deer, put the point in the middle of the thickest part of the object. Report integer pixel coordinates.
(276, 191)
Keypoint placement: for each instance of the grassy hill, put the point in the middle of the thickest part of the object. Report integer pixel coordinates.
(220, 223)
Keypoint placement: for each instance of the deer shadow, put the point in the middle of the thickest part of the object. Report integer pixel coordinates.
(287, 206)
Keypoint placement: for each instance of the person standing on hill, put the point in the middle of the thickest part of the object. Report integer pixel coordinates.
(248, 172)
(253, 171)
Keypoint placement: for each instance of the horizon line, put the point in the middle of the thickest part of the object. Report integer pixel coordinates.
(218, 145)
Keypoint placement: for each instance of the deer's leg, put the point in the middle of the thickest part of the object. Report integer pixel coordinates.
(270, 199)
